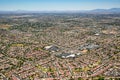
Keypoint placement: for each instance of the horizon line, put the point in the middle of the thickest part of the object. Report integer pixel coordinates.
(62, 10)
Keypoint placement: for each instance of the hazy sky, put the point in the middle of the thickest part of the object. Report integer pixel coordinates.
(40, 5)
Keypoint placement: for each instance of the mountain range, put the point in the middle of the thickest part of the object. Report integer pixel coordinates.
(112, 10)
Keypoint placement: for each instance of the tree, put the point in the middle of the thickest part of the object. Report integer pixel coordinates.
(101, 78)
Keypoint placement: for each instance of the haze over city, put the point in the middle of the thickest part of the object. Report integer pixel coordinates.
(51, 5)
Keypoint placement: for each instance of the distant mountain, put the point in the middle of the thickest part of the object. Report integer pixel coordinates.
(100, 11)
(112, 10)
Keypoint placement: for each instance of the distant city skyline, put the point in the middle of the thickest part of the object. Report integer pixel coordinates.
(59, 5)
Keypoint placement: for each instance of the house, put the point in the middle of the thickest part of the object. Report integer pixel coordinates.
(15, 77)
(3, 77)
(52, 48)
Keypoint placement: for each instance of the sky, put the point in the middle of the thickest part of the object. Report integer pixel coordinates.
(60, 5)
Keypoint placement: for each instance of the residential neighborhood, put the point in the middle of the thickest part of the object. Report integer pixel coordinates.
(64, 46)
